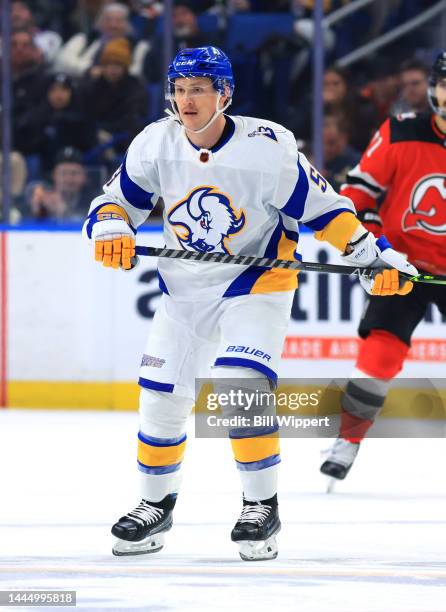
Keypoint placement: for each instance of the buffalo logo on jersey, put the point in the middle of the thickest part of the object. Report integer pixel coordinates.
(427, 209)
(206, 220)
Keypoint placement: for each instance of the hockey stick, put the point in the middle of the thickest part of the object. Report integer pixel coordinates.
(264, 262)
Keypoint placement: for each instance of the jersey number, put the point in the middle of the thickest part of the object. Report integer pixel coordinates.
(318, 179)
(376, 141)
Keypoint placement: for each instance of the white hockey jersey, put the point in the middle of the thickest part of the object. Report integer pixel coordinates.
(245, 196)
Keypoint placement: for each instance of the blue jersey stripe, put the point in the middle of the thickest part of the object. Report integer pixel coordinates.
(155, 385)
(133, 193)
(247, 363)
(273, 244)
(296, 203)
(244, 282)
(162, 284)
(320, 222)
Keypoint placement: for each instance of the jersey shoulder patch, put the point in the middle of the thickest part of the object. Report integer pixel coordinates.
(263, 129)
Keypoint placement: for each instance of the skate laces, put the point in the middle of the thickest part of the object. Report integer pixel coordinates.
(145, 513)
(254, 513)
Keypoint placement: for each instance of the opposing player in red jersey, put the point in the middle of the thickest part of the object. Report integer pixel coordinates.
(405, 163)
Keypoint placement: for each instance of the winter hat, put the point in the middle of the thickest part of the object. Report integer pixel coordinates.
(68, 154)
(117, 51)
(62, 79)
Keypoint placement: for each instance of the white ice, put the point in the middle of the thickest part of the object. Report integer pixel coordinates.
(377, 545)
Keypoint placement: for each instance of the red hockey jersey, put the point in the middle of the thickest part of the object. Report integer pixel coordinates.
(404, 166)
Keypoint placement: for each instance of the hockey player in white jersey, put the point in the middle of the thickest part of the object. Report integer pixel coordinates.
(229, 184)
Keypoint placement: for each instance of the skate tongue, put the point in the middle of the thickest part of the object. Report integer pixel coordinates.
(271, 501)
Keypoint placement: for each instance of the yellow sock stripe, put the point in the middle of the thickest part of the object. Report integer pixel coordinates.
(339, 231)
(160, 455)
(255, 449)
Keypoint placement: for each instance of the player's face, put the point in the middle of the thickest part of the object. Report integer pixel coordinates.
(440, 93)
(196, 100)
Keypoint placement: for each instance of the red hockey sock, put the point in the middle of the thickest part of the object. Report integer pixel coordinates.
(381, 356)
(353, 428)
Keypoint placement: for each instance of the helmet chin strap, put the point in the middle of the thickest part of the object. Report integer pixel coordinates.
(218, 111)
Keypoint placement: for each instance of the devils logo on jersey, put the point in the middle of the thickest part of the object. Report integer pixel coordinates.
(427, 209)
(205, 220)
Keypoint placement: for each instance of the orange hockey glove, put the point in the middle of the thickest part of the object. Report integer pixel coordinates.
(113, 236)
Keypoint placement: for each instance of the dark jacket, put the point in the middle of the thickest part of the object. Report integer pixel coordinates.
(116, 107)
(46, 131)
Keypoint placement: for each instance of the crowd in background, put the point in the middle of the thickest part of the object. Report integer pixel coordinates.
(87, 76)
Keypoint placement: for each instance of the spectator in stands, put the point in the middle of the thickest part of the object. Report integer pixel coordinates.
(70, 194)
(28, 82)
(339, 156)
(383, 87)
(56, 15)
(116, 101)
(414, 76)
(144, 17)
(238, 6)
(81, 53)
(56, 122)
(341, 98)
(85, 17)
(48, 42)
(186, 34)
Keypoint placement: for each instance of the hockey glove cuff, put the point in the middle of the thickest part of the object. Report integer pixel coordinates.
(367, 251)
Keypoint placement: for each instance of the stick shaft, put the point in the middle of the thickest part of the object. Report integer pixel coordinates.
(264, 262)
(244, 260)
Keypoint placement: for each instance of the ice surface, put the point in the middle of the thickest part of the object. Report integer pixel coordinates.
(377, 545)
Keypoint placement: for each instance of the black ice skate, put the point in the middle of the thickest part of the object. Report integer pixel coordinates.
(142, 530)
(256, 528)
(339, 460)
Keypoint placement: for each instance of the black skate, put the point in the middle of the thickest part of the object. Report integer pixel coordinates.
(142, 530)
(339, 461)
(256, 528)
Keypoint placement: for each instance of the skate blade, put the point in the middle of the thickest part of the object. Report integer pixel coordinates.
(332, 484)
(151, 544)
(261, 550)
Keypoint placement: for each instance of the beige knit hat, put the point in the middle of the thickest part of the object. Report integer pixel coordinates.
(117, 51)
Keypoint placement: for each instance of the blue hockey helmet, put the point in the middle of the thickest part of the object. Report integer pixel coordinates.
(209, 62)
(438, 73)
